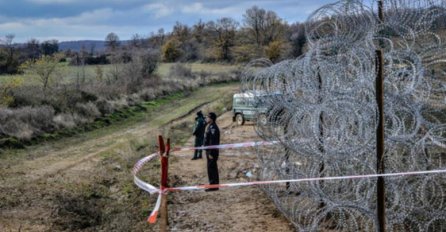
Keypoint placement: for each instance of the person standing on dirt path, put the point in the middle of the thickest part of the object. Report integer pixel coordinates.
(199, 128)
(212, 137)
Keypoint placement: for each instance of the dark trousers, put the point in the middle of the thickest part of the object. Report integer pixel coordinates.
(213, 169)
(198, 143)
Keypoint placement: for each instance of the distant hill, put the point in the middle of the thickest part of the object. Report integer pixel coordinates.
(88, 45)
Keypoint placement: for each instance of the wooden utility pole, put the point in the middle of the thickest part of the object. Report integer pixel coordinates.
(380, 185)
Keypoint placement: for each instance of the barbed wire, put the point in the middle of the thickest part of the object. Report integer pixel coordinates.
(322, 109)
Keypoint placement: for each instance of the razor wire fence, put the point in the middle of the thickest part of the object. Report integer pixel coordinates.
(323, 110)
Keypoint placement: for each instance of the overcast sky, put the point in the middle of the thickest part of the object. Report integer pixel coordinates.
(67, 20)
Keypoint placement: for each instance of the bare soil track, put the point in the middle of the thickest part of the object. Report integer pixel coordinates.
(85, 184)
(238, 209)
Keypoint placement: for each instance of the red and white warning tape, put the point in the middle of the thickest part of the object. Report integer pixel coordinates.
(206, 186)
(152, 189)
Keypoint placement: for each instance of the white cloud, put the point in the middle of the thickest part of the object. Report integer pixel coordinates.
(200, 9)
(89, 17)
(10, 26)
(194, 8)
(92, 24)
(158, 9)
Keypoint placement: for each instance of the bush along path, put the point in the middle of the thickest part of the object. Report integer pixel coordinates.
(34, 117)
(83, 182)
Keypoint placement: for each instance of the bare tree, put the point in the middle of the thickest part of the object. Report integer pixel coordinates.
(198, 31)
(32, 49)
(223, 31)
(254, 20)
(112, 41)
(263, 26)
(136, 41)
(181, 32)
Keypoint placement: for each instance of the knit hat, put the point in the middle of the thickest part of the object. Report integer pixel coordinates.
(200, 114)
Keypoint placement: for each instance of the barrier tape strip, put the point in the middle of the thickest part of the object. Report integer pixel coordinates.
(206, 186)
(152, 189)
(154, 214)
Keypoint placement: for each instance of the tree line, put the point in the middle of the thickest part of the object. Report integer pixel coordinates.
(262, 33)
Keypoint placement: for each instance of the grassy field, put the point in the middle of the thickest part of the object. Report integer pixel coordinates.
(69, 74)
(164, 68)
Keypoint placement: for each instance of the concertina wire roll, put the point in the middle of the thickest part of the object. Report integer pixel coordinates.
(322, 108)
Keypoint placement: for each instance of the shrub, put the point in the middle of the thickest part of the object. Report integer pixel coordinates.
(104, 106)
(171, 50)
(6, 90)
(27, 96)
(27, 122)
(150, 60)
(276, 50)
(39, 118)
(17, 129)
(88, 110)
(64, 121)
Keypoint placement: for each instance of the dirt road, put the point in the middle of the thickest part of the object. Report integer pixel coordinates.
(239, 209)
(84, 183)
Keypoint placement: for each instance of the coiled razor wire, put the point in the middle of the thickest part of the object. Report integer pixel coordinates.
(322, 109)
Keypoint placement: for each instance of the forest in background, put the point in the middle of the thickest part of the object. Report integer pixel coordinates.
(262, 33)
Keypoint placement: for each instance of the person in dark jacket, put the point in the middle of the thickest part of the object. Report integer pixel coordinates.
(199, 128)
(212, 137)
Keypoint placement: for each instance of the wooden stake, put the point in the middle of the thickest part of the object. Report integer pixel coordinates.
(164, 156)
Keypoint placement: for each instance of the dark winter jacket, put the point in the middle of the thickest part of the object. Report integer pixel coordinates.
(200, 126)
(212, 137)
